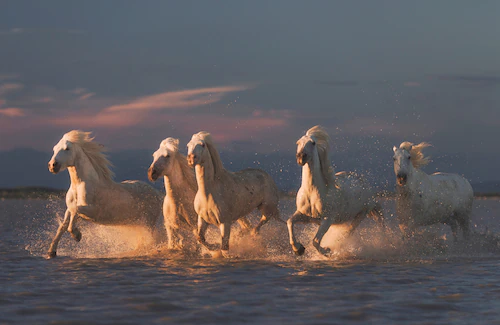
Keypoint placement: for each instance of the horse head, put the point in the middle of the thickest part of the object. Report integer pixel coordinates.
(162, 159)
(197, 150)
(402, 165)
(63, 157)
(306, 149)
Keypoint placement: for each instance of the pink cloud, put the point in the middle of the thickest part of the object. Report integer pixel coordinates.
(10, 87)
(44, 100)
(12, 112)
(178, 99)
(86, 96)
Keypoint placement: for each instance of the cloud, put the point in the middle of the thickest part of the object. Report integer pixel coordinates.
(10, 87)
(86, 96)
(182, 99)
(12, 112)
(8, 76)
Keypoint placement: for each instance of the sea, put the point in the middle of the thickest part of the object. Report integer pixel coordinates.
(121, 275)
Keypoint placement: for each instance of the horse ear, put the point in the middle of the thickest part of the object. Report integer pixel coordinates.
(394, 148)
(176, 142)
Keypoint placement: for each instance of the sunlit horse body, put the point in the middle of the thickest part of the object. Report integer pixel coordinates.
(224, 197)
(93, 195)
(180, 191)
(424, 199)
(326, 198)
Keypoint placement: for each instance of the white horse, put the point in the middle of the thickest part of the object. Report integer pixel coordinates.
(326, 198)
(422, 199)
(93, 195)
(180, 191)
(223, 196)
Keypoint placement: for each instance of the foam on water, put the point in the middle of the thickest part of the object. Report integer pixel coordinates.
(369, 241)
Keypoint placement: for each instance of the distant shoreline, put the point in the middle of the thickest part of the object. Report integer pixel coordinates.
(37, 192)
(31, 192)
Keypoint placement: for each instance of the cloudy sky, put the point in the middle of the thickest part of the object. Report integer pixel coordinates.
(256, 74)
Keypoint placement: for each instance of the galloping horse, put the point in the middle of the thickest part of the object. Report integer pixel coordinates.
(326, 198)
(180, 191)
(423, 199)
(93, 195)
(223, 196)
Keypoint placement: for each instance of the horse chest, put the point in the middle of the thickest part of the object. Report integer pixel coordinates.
(311, 204)
(207, 209)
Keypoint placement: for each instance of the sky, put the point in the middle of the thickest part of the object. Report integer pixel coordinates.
(256, 74)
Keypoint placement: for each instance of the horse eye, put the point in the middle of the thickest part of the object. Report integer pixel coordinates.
(203, 144)
(66, 149)
(314, 143)
(409, 157)
(394, 158)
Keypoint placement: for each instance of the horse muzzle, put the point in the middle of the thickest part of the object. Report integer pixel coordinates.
(54, 167)
(301, 159)
(192, 160)
(401, 179)
(152, 174)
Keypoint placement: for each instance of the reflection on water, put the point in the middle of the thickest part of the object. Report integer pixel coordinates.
(116, 275)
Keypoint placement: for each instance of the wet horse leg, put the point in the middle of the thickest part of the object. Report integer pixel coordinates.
(464, 223)
(225, 231)
(73, 230)
(60, 231)
(268, 212)
(298, 217)
(378, 216)
(323, 228)
(202, 229)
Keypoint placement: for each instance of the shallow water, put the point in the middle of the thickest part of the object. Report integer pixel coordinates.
(117, 275)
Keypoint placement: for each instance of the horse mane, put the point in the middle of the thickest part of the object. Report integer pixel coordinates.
(417, 157)
(94, 152)
(214, 154)
(322, 140)
(172, 145)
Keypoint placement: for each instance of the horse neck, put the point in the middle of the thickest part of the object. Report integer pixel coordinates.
(312, 175)
(205, 176)
(82, 171)
(180, 176)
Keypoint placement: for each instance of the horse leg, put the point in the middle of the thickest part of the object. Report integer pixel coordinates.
(225, 231)
(202, 229)
(378, 216)
(464, 223)
(272, 212)
(245, 224)
(355, 223)
(454, 227)
(75, 232)
(298, 217)
(174, 238)
(60, 231)
(323, 228)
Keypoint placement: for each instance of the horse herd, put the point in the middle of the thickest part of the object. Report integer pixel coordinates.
(201, 192)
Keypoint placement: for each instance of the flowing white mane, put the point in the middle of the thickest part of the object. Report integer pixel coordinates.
(171, 144)
(417, 157)
(214, 154)
(94, 151)
(322, 140)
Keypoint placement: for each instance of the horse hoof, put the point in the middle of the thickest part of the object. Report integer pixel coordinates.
(300, 250)
(50, 255)
(77, 236)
